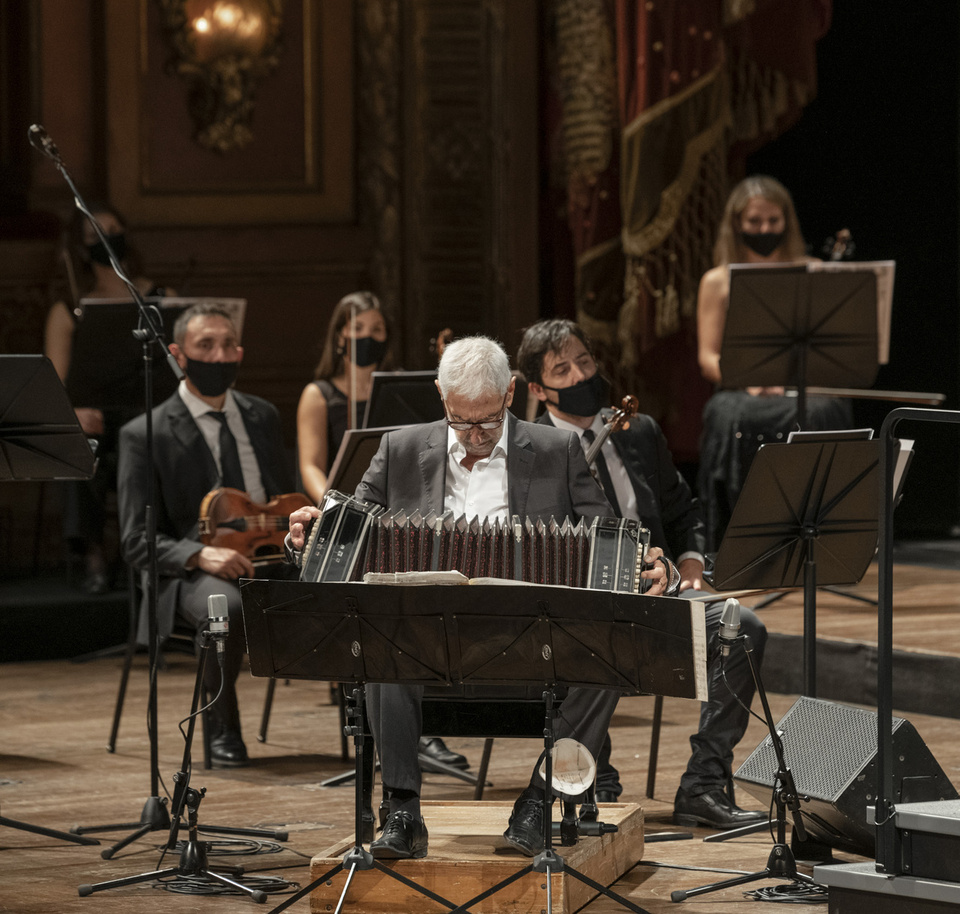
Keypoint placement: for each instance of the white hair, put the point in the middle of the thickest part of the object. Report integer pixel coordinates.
(474, 367)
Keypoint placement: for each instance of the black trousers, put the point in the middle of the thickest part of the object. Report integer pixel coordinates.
(722, 719)
(396, 721)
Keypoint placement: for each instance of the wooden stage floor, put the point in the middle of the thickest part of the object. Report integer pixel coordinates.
(54, 772)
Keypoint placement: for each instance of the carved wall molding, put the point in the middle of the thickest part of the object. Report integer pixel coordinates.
(379, 162)
(469, 154)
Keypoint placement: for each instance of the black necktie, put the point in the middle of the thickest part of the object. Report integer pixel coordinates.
(231, 473)
(606, 482)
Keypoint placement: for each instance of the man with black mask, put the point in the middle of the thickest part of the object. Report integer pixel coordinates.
(205, 436)
(636, 470)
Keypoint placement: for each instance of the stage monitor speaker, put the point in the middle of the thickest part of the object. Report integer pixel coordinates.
(831, 750)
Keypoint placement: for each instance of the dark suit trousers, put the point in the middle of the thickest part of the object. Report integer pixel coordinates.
(722, 720)
(396, 721)
(194, 591)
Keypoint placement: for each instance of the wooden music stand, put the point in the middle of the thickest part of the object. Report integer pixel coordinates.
(525, 635)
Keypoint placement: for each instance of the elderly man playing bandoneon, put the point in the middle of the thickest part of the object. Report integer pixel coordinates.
(480, 461)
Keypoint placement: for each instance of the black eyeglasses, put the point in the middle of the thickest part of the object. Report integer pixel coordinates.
(486, 424)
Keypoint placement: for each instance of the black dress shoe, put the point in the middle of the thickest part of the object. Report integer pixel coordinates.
(404, 837)
(525, 830)
(437, 750)
(607, 796)
(228, 751)
(713, 809)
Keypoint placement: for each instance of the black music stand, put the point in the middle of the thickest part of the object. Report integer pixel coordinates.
(356, 451)
(40, 440)
(113, 384)
(402, 398)
(544, 636)
(797, 326)
(40, 437)
(808, 514)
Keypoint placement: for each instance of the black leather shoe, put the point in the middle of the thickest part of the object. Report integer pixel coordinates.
(607, 796)
(437, 750)
(404, 837)
(525, 830)
(228, 751)
(713, 809)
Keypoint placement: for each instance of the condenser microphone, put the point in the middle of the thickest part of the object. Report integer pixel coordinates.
(40, 140)
(219, 619)
(729, 625)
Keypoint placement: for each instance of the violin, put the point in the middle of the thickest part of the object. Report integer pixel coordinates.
(839, 247)
(620, 418)
(439, 342)
(230, 518)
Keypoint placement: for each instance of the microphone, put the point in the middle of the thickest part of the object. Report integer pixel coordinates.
(729, 625)
(40, 140)
(219, 619)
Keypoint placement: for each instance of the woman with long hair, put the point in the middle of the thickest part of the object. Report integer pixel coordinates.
(759, 226)
(90, 275)
(356, 345)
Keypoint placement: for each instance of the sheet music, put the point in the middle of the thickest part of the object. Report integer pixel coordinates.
(904, 458)
(698, 628)
(884, 271)
(409, 578)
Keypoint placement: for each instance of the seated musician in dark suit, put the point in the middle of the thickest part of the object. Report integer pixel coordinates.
(204, 436)
(556, 360)
(481, 461)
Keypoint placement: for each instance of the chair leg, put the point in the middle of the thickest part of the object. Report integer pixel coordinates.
(482, 770)
(267, 707)
(654, 745)
(133, 615)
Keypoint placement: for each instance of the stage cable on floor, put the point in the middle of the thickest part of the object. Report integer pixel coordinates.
(790, 893)
(199, 885)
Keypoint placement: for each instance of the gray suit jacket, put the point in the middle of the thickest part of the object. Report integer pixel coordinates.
(184, 471)
(547, 474)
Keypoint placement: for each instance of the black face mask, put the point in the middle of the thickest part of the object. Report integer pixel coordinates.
(762, 243)
(98, 252)
(585, 398)
(212, 378)
(368, 351)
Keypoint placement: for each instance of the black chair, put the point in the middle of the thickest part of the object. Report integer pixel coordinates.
(336, 693)
(505, 713)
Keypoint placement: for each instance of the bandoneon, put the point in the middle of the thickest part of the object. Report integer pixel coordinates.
(352, 538)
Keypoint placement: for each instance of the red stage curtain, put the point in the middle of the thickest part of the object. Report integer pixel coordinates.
(659, 101)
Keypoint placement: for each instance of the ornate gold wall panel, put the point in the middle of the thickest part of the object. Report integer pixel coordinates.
(299, 164)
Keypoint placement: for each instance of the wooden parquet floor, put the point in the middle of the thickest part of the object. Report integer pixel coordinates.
(54, 772)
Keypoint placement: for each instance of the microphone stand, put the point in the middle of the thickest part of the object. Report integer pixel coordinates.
(193, 855)
(154, 816)
(780, 863)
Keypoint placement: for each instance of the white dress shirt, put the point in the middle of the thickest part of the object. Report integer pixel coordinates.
(481, 491)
